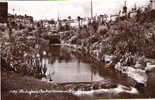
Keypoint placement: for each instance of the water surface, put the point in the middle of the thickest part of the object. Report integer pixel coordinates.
(64, 66)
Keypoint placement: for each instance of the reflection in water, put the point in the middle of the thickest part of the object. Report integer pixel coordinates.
(63, 66)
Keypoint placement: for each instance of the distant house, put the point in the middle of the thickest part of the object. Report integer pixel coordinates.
(114, 17)
(132, 13)
(20, 18)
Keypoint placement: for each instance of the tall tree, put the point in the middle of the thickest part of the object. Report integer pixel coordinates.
(79, 21)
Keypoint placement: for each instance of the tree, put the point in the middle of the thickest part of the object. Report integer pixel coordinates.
(52, 22)
(79, 21)
(69, 17)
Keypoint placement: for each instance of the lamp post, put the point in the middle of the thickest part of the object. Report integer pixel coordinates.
(91, 9)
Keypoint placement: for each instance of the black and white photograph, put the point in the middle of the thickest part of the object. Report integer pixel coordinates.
(77, 49)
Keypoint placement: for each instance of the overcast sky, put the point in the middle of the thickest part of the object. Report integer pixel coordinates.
(74, 8)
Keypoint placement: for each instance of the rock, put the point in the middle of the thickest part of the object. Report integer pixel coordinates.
(95, 86)
(149, 67)
(141, 63)
(108, 59)
(137, 65)
(118, 66)
(138, 75)
(140, 87)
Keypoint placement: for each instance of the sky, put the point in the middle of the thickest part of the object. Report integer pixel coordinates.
(51, 9)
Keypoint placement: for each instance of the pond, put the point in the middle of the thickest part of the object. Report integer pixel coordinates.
(67, 65)
(64, 66)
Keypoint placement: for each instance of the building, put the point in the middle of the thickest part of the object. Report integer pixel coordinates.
(3, 12)
(20, 18)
